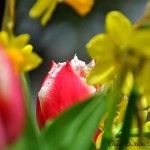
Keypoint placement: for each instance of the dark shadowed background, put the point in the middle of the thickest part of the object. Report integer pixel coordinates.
(67, 33)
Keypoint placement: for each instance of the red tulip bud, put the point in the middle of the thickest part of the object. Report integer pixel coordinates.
(64, 86)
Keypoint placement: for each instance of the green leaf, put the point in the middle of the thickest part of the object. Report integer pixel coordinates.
(75, 128)
(92, 146)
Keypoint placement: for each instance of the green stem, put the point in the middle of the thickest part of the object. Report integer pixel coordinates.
(9, 16)
(114, 99)
(31, 126)
(131, 108)
(28, 99)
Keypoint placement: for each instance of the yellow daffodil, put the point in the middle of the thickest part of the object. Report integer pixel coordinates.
(19, 51)
(47, 7)
(108, 49)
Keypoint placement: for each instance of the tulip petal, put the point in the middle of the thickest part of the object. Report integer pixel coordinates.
(101, 47)
(39, 115)
(118, 26)
(12, 110)
(2, 134)
(67, 89)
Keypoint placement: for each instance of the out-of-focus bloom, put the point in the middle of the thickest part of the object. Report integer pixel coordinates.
(64, 86)
(47, 8)
(98, 140)
(19, 51)
(109, 49)
(12, 111)
(81, 6)
(98, 132)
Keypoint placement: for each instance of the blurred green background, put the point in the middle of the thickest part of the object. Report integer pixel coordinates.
(67, 33)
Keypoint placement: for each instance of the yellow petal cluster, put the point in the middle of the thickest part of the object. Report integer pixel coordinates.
(19, 51)
(47, 7)
(108, 49)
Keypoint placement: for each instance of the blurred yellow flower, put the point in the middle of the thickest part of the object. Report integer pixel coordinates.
(81, 6)
(19, 51)
(120, 39)
(47, 7)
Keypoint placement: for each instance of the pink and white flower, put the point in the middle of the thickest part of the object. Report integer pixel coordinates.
(64, 86)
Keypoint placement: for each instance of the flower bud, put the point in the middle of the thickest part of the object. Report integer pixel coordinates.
(64, 86)
(12, 112)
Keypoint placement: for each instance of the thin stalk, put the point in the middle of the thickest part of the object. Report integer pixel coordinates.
(31, 126)
(27, 90)
(9, 16)
(114, 100)
(131, 108)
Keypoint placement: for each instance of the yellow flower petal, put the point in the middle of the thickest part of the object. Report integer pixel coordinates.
(48, 6)
(20, 41)
(146, 127)
(4, 38)
(128, 84)
(81, 6)
(146, 100)
(118, 26)
(32, 62)
(20, 54)
(49, 12)
(27, 49)
(143, 76)
(101, 47)
(102, 72)
(140, 41)
(39, 7)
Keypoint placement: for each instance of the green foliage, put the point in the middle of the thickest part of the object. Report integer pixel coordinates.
(75, 128)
